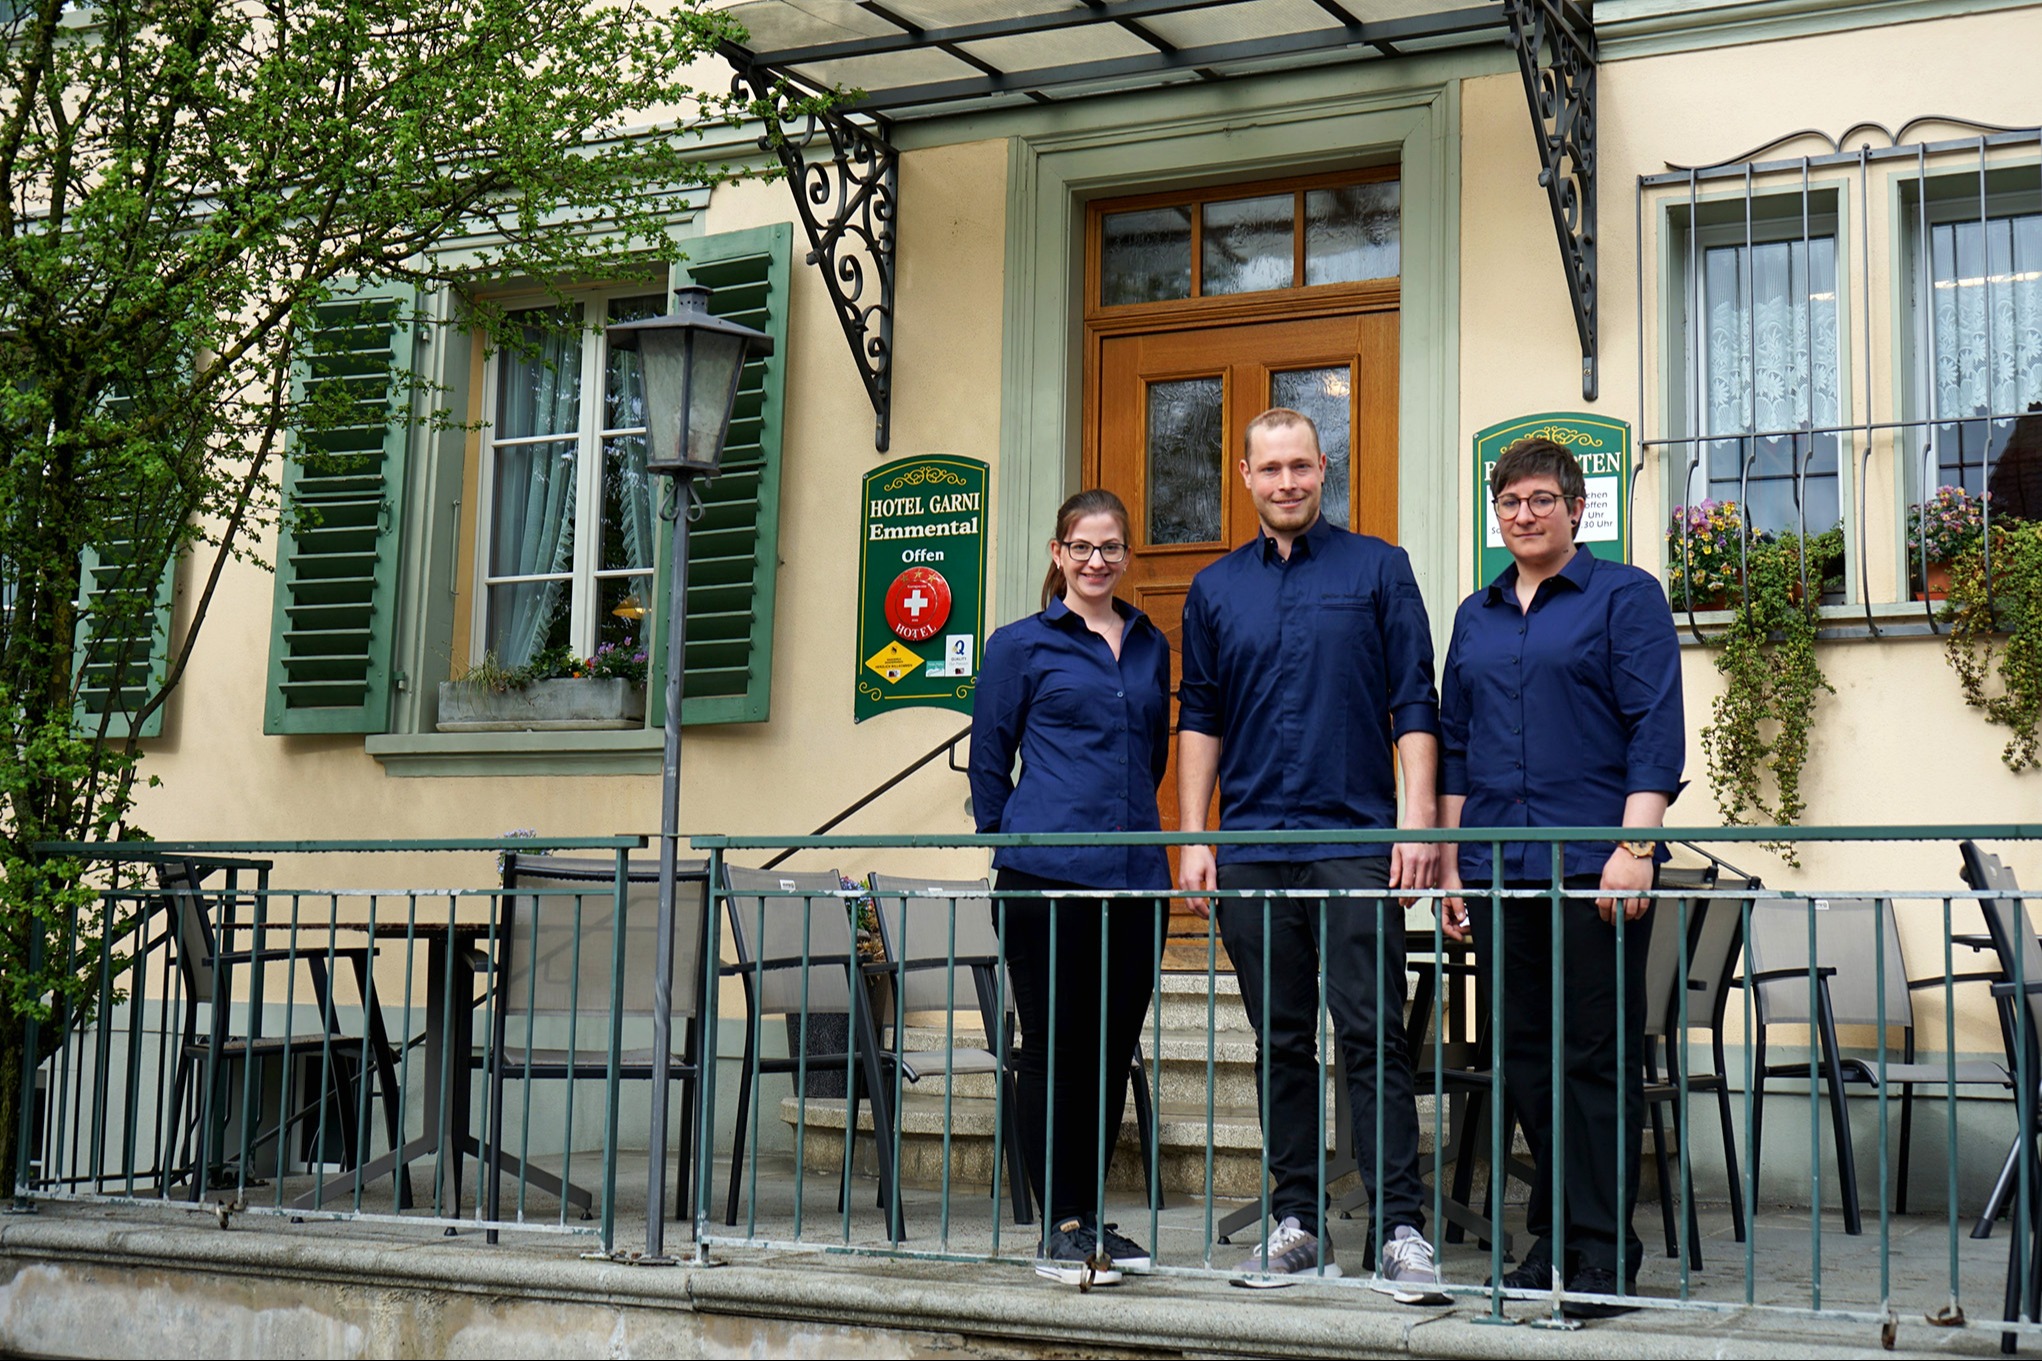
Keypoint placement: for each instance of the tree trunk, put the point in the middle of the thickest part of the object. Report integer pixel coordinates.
(12, 1036)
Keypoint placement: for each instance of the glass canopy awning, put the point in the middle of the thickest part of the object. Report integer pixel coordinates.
(902, 60)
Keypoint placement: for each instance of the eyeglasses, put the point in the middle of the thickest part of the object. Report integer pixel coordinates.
(1542, 503)
(1110, 553)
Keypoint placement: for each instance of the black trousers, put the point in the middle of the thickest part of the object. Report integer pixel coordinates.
(1061, 1116)
(1585, 966)
(1287, 1072)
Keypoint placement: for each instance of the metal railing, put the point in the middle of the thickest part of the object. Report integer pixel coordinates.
(298, 1098)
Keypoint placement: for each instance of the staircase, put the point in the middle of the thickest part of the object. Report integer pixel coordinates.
(1231, 1136)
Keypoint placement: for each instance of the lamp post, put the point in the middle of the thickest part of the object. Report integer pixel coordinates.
(690, 362)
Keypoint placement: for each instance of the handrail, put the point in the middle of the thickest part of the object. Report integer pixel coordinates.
(898, 776)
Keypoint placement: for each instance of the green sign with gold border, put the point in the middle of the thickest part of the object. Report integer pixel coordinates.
(1603, 447)
(921, 584)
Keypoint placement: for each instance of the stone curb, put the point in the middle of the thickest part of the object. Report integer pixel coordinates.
(1165, 1313)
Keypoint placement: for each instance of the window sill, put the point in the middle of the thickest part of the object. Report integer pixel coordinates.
(1840, 623)
(585, 752)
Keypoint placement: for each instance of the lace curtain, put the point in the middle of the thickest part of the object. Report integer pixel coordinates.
(1770, 363)
(1988, 316)
(532, 530)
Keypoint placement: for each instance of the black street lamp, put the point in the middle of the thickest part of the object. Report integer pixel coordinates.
(690, 361)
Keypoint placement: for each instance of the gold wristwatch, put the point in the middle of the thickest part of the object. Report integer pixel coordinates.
(1643, 850)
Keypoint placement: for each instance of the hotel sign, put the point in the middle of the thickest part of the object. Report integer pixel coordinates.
(921, 584)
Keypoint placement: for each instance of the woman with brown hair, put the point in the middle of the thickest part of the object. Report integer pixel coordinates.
(1081, 694)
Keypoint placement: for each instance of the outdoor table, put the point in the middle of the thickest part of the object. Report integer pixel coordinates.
(449, 1040)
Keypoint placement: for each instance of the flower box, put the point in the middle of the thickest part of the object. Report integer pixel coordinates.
(542, 706)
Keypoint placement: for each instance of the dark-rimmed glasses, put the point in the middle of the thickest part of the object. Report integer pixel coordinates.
(1111, 553)
(1542, 504)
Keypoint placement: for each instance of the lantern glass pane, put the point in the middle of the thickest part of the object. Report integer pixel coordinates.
(719, 359)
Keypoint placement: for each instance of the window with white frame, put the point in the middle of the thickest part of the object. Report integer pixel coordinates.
(1759, 371)
(569, 541)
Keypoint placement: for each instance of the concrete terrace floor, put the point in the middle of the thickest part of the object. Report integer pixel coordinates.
(81, 1278)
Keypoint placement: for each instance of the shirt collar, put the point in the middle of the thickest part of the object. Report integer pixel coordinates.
(1313, 539)
(1058, 612)
(1575, 574)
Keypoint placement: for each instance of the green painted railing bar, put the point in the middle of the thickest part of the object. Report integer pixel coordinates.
(1951, 832)
(127, 852)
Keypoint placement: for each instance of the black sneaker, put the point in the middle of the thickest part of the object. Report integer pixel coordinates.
(1533, 1273)
(1593, 1280)
(1068, 1256)
(1127, 1254)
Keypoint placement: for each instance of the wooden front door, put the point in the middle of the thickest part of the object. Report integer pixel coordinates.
(1170, 388)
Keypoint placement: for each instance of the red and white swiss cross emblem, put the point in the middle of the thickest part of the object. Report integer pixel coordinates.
(918, 603)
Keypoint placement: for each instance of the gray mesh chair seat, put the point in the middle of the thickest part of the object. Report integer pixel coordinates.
(2020, 991)
(558, 946)
(1856, 946)
(796, 957)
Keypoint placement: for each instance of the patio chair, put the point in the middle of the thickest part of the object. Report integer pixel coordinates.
(2020, 958)
(1715, 935)
(796, 957)
(220, 1033)
(552, 1014)
(980, 980)
(1847, 970)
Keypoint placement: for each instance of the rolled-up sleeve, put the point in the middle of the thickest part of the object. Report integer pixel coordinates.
(1407, 649)
(1198, 688)
(1645, 672)
(1454, 714)
(999, 709)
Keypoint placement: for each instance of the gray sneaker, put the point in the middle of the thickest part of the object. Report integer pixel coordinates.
(1288, 1256)
(1406, 1273)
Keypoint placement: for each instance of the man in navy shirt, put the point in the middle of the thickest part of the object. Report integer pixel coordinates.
(1561, 707)
(1307, 676)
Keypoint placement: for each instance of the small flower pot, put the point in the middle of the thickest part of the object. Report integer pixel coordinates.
(1936, 584)
(542, 706)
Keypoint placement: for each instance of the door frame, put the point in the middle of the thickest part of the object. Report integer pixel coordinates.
(1053, 176)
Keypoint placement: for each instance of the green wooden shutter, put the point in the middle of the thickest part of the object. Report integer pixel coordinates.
(734, 549)
(123, 636)
(336, 569)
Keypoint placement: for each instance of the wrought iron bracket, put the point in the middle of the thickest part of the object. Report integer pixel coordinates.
(845, 181)
(1555, 44)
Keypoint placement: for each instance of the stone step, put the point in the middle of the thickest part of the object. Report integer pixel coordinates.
(1183, 1135)
(1183, 1063)
(1182, 998)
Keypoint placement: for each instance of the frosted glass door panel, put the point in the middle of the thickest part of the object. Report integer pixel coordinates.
(1186, 460)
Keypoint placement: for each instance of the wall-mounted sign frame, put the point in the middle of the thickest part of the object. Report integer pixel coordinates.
(921, 584)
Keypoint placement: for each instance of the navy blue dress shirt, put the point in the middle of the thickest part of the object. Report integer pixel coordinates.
(1093, 734)
(1553, 717)
(1307, 669)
